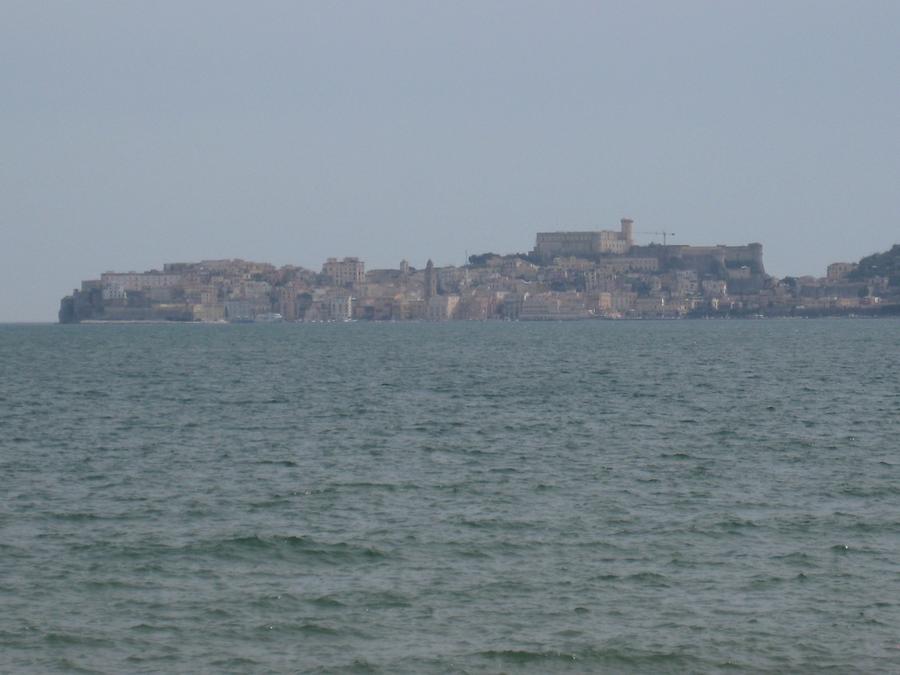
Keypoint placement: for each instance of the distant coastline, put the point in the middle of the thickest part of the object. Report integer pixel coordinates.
(568, 276)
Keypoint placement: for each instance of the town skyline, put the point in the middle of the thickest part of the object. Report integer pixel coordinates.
(42, 310)
(642, 237)
(568, 275)
(446, 259)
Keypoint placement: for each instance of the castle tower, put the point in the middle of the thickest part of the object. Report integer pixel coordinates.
(430, 281)
(628, 231)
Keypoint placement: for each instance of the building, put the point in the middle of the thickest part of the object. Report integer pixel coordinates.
(839, 271)
(549, 245)
(139, 281)
(239, 310)
(346, 272)
(209, 312)
(442, 307)
(113, 292)
(717, 258)
(714, 288)
(430, 281)
(554, 307)
(337, 308)
(253, 290)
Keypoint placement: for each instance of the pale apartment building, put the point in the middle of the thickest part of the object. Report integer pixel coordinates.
(349, 271)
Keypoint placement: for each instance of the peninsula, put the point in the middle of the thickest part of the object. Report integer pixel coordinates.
(568, 275)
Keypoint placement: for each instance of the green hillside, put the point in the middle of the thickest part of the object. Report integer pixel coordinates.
(885, 264)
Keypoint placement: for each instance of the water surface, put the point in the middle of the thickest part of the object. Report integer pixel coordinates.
(605, 496)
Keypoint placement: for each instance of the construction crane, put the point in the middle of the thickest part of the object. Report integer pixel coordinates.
(664, 235)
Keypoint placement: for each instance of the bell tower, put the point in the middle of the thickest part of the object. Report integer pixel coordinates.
(430, 281)
(628, 231)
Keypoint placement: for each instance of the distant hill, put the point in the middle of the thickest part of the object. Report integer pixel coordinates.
(885, 264)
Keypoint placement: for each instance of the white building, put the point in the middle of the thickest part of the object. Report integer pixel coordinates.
(337, 308)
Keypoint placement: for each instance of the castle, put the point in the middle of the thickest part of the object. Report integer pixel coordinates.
(550, 245)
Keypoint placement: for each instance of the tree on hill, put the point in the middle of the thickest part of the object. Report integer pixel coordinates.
(480, 259)
(885, 264)
(528, 257)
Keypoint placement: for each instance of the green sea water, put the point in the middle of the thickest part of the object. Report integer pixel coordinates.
(684, 496)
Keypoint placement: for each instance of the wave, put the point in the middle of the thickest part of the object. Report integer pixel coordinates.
(235, 664)
(278, 462)
(521, 656)
(75, 639)
(252, 546)
(590, 657)
(649, 579)
(326, 601)
(887, 490)
(148, 628)
(286, 546)
(310, 628)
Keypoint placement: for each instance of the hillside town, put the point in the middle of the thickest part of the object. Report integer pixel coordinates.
(571, 275)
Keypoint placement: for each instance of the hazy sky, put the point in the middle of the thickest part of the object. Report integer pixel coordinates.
(135, 133)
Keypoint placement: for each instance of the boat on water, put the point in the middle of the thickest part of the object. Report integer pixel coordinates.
(272, 317)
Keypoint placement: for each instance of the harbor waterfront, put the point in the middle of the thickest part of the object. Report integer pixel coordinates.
(446, 497)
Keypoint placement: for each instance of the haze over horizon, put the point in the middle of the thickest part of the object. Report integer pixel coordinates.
(135, 134)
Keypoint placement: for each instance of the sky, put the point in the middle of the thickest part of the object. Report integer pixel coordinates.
(135, 133)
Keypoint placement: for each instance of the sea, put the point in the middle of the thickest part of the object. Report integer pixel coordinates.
(715, 496)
